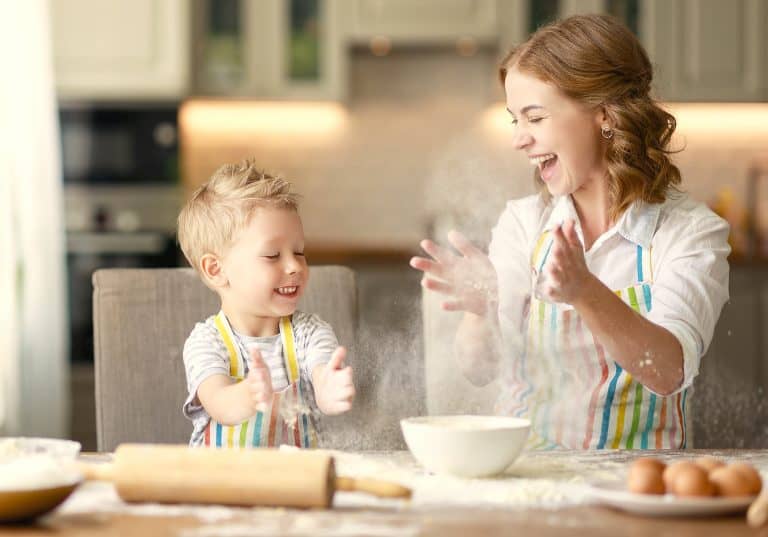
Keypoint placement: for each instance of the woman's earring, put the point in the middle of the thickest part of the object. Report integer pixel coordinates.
(607, 132)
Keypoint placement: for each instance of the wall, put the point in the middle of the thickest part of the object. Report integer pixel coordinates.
(413, 121)
(424, 134)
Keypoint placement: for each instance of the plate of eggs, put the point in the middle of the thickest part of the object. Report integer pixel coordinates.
(705, 486)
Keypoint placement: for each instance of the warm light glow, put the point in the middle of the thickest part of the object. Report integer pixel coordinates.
(742, 121)
(261, 118)
(722, 119)
(497, 120)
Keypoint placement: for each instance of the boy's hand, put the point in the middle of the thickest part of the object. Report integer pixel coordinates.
(334, 389)
(258, 383)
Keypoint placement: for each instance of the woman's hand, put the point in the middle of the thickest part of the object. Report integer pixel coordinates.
(468, 280)
(565, 276)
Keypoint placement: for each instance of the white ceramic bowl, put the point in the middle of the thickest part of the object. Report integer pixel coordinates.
(465, 446)
(36, 475)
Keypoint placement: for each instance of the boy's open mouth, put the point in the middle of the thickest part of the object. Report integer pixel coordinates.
(289, 291)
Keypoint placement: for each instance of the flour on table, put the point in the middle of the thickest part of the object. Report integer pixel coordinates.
(540, 481)
(298, 523)
(94, 498)
(533, 481)
(546, 480)
(101, 497)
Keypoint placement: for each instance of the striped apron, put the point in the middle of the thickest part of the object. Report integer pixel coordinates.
(285, 420)
(575, 395)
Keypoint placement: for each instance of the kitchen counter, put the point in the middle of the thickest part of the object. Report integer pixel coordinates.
(542, 494)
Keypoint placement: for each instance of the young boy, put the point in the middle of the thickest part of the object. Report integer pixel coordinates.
(257, 370)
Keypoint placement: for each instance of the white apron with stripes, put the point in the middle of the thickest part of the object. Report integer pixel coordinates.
(575, 395)
(286, 420)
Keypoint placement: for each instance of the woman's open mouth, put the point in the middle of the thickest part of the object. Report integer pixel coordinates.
(546, 164)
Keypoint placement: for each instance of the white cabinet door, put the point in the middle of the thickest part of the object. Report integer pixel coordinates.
(257, 59)
(422, 21)
(267, 37)
(120, 49)
(517, 18)
(705, 50)
(580, 7)
(513, 22)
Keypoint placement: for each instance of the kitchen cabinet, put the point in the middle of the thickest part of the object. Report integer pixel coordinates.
(271, 49)
(513, 23)
(701, 50)
(708, 50)
(422, 21)
(519, 18)
(122, 49)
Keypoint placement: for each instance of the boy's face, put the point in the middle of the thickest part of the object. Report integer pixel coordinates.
(265, 268)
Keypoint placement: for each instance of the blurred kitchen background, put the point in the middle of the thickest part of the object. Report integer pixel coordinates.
(388, 117)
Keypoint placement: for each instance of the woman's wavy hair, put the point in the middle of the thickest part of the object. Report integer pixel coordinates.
(598, 61)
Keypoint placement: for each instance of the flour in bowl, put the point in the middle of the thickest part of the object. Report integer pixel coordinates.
(32, 472)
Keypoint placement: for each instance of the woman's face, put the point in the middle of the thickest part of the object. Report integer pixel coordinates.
(560, 136)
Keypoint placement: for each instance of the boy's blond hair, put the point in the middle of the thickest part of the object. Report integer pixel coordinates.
(217, 211)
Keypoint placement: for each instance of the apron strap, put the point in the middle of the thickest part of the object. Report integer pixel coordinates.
(289, 350)
(644, 266)
(225, 330)
(537, 263)
(237, 361)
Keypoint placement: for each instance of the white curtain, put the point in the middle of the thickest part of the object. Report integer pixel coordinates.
(33, 314)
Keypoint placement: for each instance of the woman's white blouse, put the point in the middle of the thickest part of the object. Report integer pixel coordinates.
(689, 250)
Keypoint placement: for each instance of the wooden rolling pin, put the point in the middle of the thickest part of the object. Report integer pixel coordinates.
(269, 477)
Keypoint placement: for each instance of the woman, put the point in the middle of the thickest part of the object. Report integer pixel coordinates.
(600, 294)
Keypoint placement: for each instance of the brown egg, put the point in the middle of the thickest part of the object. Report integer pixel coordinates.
(692, 480)
(645, 477)
(750, 474)
(671, 471)
(709, 463)
(649, 461)
(729, 482)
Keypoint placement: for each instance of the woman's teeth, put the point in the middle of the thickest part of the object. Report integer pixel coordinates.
(286, 290)
(540, 160)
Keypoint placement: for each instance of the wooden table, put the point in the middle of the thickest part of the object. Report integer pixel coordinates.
(450, 516)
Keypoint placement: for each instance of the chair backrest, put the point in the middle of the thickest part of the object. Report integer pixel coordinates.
(141, 319)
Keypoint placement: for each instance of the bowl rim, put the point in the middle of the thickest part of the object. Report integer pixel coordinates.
(43, 440)
(505, 423)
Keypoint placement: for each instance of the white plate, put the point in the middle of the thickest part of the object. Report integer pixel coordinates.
(614, 494)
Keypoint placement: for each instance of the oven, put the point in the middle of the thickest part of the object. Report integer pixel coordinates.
(128, 144)
(121, 198)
